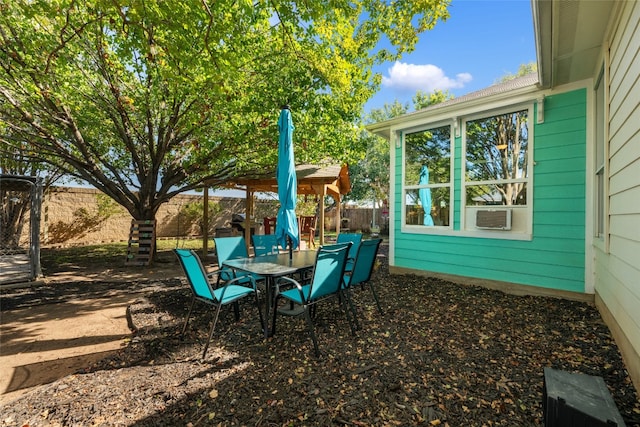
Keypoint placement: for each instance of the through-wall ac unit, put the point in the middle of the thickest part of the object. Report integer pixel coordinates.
(493, 219)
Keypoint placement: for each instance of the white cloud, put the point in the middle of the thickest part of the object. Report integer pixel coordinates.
(428, 77)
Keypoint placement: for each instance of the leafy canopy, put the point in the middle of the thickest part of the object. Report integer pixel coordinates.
(145, 100)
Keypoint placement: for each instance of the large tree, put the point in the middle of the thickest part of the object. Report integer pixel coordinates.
(370, 174)
(147, 99)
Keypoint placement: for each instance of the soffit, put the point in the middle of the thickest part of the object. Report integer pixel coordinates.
(569, 36)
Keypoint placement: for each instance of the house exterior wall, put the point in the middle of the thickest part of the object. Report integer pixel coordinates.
(554, 256)
(617, 256)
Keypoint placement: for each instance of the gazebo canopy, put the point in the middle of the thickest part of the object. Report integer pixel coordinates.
(312, 179)
(332, 180)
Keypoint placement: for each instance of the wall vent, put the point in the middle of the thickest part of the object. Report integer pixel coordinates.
(494, 219)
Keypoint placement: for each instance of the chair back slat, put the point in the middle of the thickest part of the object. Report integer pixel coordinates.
(354, 238)
(266, 244)
(328, 270)
(195, 273)
(230, 248)
(365, 260)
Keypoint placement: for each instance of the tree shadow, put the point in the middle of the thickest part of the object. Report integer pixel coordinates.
(40, 373)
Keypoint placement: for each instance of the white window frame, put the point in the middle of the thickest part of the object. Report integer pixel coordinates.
(421, 229)
(522, 215)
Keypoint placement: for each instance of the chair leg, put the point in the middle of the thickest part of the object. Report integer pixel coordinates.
(213, 327)
(184, 328)
(274, 307)
(349, 307)
(311, 331)
(257, 301)
(236, 310)
(375, 296)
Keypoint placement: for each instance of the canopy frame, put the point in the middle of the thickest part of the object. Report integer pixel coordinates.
(332, 180)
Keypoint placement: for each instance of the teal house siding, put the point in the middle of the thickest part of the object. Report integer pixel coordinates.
(554, 257)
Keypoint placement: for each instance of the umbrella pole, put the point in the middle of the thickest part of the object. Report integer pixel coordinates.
(290, 247)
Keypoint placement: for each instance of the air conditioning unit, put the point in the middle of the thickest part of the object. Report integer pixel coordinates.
(493, 219)
(573, 399)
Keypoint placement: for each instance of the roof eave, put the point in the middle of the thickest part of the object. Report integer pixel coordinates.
(384, 128)
(541, 11)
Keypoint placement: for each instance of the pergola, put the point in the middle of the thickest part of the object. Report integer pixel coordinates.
(332, 180)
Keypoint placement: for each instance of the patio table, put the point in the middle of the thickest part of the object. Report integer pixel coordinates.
(271, 267)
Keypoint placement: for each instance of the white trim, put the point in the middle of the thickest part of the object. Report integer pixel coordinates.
(394, 136)
(480, 234)
(590, 201)
(607, 119)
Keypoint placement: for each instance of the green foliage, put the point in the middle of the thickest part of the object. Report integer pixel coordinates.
(523, 70)
(193, 213)
(370, 175)
(145, 100)
(106, 206)
(423, 99)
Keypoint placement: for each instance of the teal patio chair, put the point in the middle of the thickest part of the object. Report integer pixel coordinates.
(326, 282)
(354, 238)
(199, 282)
(229, 248)
(265, 244)
(361, 273)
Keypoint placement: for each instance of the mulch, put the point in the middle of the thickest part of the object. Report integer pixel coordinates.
(441, 354)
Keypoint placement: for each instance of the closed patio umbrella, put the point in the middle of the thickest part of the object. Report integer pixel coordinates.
(286, 223)
(425, 196)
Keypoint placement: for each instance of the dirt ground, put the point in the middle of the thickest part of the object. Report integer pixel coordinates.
(441, 354)
(73, 318)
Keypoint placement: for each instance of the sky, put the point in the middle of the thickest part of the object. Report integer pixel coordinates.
(482, 41)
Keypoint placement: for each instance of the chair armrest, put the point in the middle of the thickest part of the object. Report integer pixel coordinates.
(290, 281)
(235, 282)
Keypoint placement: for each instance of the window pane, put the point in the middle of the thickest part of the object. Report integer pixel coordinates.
(497, 194)
(497, 147)
(440, 206)
(431, 148)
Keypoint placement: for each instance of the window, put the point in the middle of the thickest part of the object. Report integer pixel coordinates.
(496, 160)
(427, 177)
(600, 189)
(486, 191)
(497, 163)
